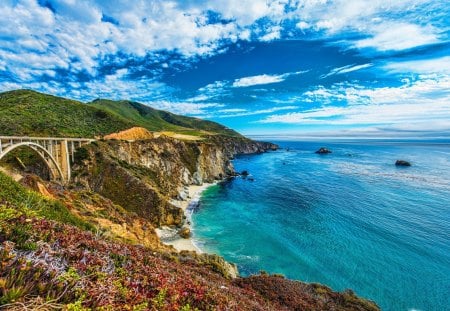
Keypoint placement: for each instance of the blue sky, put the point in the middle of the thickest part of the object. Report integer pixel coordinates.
(303, 68)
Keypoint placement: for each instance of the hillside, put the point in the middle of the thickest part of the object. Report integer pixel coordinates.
(30, 113)
(159, 120)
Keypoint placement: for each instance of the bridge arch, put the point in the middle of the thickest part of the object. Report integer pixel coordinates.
(45, 155)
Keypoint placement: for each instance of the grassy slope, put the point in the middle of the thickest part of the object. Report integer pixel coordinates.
(31, 113)
(25, 112)
(158, 120)
(16, 199)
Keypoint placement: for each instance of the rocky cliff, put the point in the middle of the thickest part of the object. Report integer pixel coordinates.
(152, 172)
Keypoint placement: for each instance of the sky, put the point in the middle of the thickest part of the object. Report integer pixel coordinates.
(286, 68)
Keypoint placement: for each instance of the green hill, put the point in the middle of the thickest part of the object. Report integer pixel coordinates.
(30, 113)
(159, 120)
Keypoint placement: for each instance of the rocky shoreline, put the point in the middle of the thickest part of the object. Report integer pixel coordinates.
(170, 235)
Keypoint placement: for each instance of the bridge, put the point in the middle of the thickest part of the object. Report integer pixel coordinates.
(57, 153)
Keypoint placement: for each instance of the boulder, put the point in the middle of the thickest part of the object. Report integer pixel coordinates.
(323, 150)
(402, 163)
(184, 232)
(244, 173)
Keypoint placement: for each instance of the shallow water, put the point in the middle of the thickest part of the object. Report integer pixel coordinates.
(350, 219)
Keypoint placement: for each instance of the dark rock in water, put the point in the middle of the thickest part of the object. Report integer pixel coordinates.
(185, 232)
(323, 151)
(251, 179)
(244, 173)
(232, 175)
(402, 163)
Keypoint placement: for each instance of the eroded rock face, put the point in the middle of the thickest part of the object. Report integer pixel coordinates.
(142, 176)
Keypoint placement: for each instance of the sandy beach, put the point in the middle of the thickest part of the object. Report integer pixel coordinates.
(169, 235)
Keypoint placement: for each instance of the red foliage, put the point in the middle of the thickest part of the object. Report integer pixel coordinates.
(121, 276)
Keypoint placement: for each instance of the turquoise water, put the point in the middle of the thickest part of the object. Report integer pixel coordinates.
(350, 219)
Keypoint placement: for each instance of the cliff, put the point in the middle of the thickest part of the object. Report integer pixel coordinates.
(152, 172)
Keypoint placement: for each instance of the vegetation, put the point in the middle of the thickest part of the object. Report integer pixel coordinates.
(29, 113)
(16, 200)
(76, 270)
(158, 120)
(27, 160)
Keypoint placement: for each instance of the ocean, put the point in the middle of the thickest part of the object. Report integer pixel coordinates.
(349, 219)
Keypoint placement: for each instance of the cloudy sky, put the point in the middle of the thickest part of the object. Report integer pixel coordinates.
(286, 67)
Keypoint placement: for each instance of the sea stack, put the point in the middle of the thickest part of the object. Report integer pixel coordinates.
(323, 150)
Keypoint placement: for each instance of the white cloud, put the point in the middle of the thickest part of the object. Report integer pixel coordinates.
(211, 91)
(258, 80)
(368, 114)
(185, 108)
(272, 34)
(75, 38)
(425, 100)
(36, 41)
(389, 25)
(303, 25)
(398, 36)
(232, 113)
(353, 68)
(263, 79)
(246, 12)
(440, 65)
(346, 69)
(232, 110)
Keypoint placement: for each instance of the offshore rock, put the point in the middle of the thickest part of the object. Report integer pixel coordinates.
(244, 173)
(323, 151)
(402, 163)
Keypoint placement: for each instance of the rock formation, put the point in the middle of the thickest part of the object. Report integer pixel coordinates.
(323, 150)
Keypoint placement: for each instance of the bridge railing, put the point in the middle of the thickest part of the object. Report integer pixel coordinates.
(28, 138)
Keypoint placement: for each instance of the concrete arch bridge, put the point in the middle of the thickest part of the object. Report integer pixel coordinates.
(57, 153)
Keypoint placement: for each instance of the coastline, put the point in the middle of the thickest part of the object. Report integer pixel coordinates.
(170, 236)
